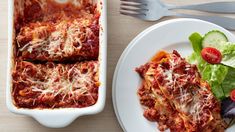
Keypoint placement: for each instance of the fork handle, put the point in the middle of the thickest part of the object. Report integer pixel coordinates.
(218, 7)
(226, 22)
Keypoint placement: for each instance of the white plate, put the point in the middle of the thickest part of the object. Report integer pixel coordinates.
(168, 35)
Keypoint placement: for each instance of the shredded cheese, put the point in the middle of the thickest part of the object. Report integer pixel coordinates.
(64, 80)
(63, 39)
(180, 83)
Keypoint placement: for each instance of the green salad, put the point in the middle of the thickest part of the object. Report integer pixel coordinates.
(215, 59)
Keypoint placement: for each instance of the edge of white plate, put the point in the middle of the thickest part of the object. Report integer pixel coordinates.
(131, 44)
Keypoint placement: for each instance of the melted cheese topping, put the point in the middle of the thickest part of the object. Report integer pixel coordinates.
(176, 87)
(50, 80)
(179, 82)
(59, 40)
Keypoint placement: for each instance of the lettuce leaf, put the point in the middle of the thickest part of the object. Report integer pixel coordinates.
(196, 40)
(229, 82)
(195, 58)
(217, 90)
(213, 74)
(221, 77)
(228, 53)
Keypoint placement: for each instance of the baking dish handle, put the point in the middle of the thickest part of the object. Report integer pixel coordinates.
(55, 120)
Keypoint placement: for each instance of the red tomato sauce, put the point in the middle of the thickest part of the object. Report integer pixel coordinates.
(56, 49)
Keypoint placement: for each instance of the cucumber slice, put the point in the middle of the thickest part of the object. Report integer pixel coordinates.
(214, 39)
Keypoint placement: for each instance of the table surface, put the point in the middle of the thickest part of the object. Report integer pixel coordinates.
(121, 30)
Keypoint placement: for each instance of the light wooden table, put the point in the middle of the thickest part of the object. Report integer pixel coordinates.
(121, 30)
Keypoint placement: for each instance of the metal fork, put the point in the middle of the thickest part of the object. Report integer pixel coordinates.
(152, 10)
(216, 7)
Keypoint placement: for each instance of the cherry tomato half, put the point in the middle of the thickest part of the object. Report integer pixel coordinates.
(232, 95)
(211, 55)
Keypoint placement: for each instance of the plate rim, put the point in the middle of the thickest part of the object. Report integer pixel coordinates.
(132, 43)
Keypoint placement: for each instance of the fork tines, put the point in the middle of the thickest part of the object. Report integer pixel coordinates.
(132, 7)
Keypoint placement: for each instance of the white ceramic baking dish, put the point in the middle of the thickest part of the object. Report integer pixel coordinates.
(57, 118)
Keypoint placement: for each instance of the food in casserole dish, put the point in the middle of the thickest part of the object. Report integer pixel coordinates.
(56, 54)
(68, 40)
(174, 95)
(53, 85)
